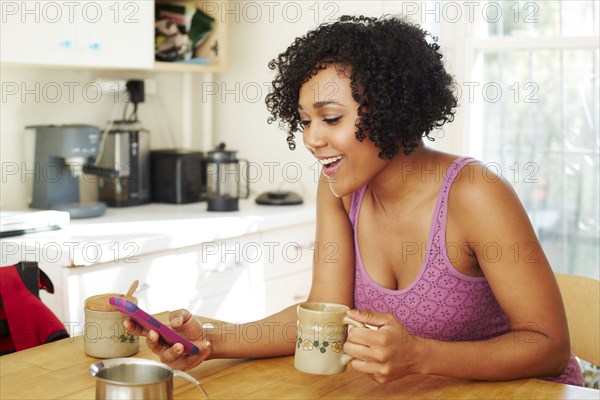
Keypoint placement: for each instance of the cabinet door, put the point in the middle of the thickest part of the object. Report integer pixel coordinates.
(288, 250)
(225, 286)
(283, 292)
(106, 33)
(38, 32)
(287, 273)
(214, 280)
(163, 284)
(114, 33)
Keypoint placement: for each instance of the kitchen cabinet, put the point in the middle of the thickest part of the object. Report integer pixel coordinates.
(268, 276)
(110, 34)
(99, 34)
(233, 266)
(287, 274)
(225, 284)
(237, 279)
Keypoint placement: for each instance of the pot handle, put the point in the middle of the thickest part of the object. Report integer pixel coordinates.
(247, 194)
(191, 379)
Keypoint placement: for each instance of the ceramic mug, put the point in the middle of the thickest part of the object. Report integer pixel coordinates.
(104, 335)
(321, 332)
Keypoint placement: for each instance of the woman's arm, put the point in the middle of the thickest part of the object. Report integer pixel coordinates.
(509, 254)
(275, 335)
(499, 235)
(333, 281)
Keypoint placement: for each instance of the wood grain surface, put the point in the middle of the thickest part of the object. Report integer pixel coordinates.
(59, 370)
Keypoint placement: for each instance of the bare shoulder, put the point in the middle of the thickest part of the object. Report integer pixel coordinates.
(326, 201)
(480, 192)
(332, 205)
(489, 215)
(497, 229)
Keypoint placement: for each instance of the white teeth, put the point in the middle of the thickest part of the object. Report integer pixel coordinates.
(326, 161)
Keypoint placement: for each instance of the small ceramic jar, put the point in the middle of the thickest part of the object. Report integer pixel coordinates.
(104, 335)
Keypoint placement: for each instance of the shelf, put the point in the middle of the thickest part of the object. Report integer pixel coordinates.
(158, 67)
(182, 67)
(116, 54)
(216, 40)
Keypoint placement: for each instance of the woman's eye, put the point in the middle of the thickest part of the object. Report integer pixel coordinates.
(304, 124)
(331, 121)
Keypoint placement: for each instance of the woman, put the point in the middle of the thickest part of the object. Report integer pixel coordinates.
(435, 252)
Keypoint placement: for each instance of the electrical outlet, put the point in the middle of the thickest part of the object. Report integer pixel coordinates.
(150, 86)
(108, 85)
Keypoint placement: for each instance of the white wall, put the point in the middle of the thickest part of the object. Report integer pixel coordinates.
(256, 34)
(242, 121)
(41, 96)
(253, 42)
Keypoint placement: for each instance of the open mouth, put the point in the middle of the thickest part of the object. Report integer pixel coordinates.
(331, 165)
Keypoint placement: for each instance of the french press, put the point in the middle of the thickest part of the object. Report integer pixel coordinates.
(225, 183)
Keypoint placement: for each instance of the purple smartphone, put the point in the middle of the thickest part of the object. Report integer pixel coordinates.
(146, 321)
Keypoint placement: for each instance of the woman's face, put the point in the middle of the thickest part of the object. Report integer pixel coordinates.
(329, 114)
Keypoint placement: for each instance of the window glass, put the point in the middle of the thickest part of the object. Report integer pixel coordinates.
(540, 18)
(535, 113)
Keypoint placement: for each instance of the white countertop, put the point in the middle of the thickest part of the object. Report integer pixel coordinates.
(128, 231)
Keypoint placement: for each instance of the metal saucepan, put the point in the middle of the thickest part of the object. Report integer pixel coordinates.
(136, 378)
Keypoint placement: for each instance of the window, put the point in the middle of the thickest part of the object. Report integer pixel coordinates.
(529, 89)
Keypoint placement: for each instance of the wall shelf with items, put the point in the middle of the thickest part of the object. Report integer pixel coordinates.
(208, 53)
(110, 35)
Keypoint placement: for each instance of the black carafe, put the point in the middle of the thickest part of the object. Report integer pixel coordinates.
(225, 181)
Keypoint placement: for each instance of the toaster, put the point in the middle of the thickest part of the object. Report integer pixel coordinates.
(177, 176)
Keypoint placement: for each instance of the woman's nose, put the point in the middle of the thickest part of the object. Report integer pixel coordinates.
(313, 138)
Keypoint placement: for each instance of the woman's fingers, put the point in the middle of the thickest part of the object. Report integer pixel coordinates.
(154, 343)
(174, 356)
(186, 324)
(134, 328)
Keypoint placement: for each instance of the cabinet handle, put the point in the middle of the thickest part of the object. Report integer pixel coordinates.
(225, 267)
(142, 287)
(307, 246)
(67, 44)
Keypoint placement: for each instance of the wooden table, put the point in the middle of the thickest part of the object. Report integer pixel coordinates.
(59, 370)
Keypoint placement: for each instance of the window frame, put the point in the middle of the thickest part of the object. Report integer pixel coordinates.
(463, 49)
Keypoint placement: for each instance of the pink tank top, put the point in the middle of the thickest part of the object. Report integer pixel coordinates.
(442, 303)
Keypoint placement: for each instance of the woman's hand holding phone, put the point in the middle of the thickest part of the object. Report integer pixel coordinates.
(186, 325)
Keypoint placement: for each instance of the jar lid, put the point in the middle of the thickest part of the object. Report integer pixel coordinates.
(100, 302)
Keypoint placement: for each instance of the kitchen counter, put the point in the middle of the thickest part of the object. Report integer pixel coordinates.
(59, 370)
(182, 255)
(133, 231)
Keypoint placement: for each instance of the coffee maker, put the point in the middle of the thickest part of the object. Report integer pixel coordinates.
(123, 167)
(123, 162)
(61, 154)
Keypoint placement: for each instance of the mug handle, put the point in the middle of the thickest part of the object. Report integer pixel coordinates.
(349, 321)
(190, 378)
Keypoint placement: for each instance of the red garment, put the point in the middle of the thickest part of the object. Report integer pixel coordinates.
(30, 322)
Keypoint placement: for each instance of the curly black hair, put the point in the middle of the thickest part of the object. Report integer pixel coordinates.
(397, 78)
